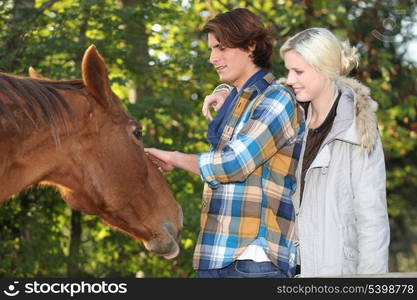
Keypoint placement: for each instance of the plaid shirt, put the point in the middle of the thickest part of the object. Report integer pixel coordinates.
(249, 180)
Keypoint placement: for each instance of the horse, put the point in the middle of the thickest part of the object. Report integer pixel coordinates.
(75, 135)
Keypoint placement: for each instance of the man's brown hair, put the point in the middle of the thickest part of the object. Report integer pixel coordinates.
(240, 28)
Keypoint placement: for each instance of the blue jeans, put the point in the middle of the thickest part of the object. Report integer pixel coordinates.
(244, 269)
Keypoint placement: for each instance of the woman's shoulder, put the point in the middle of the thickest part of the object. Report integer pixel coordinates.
(365, 110)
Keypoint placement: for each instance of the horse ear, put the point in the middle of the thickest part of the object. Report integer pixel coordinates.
(34, 74)
(95, 76)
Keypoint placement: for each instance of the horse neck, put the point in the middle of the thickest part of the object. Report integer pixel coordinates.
(26, 164)
(35, 157)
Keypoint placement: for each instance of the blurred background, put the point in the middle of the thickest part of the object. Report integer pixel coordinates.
(158, 64)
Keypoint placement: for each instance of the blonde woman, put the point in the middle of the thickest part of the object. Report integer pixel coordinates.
(342, 219)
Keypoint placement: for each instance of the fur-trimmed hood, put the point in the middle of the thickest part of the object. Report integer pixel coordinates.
(365, 111)
(355, 104)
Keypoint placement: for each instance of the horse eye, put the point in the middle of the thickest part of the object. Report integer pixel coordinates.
(137, 133)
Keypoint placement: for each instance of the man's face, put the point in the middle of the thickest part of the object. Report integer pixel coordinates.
(233, 65)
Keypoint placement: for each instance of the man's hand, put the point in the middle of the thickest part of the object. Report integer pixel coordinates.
(162, 159)
(168, 160)
(214, 100)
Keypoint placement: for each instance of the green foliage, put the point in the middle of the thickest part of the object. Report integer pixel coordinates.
(157, 49)
(25, 221)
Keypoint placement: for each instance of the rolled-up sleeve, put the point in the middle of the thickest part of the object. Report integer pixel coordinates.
(205, 163)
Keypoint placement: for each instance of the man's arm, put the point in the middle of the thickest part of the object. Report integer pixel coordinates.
(268, 130)
(168, 160)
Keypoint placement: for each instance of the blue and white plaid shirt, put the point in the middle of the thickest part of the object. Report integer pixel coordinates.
(249, 179)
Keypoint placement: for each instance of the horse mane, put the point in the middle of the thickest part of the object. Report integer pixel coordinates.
(24, 99)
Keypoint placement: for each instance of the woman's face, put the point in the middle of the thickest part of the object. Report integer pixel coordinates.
(307, 82)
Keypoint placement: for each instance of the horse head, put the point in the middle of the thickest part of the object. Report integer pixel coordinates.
(119, 183)
(99, 164)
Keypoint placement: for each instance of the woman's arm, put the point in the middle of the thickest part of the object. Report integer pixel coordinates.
(216, 99)
(370, 207)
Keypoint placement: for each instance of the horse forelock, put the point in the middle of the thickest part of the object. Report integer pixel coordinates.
(36, 101)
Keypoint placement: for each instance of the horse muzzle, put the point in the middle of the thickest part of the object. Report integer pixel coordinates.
(165, 244)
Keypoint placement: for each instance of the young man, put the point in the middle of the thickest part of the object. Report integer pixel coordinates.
(247, 215)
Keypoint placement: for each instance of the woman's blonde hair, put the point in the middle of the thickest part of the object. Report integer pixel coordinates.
(323, 51)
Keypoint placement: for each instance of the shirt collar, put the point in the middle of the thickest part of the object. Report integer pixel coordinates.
(255, 82)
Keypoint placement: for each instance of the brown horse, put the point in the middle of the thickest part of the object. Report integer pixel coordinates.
(75, 135)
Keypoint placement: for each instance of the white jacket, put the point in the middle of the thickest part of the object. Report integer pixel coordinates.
(342, 224)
